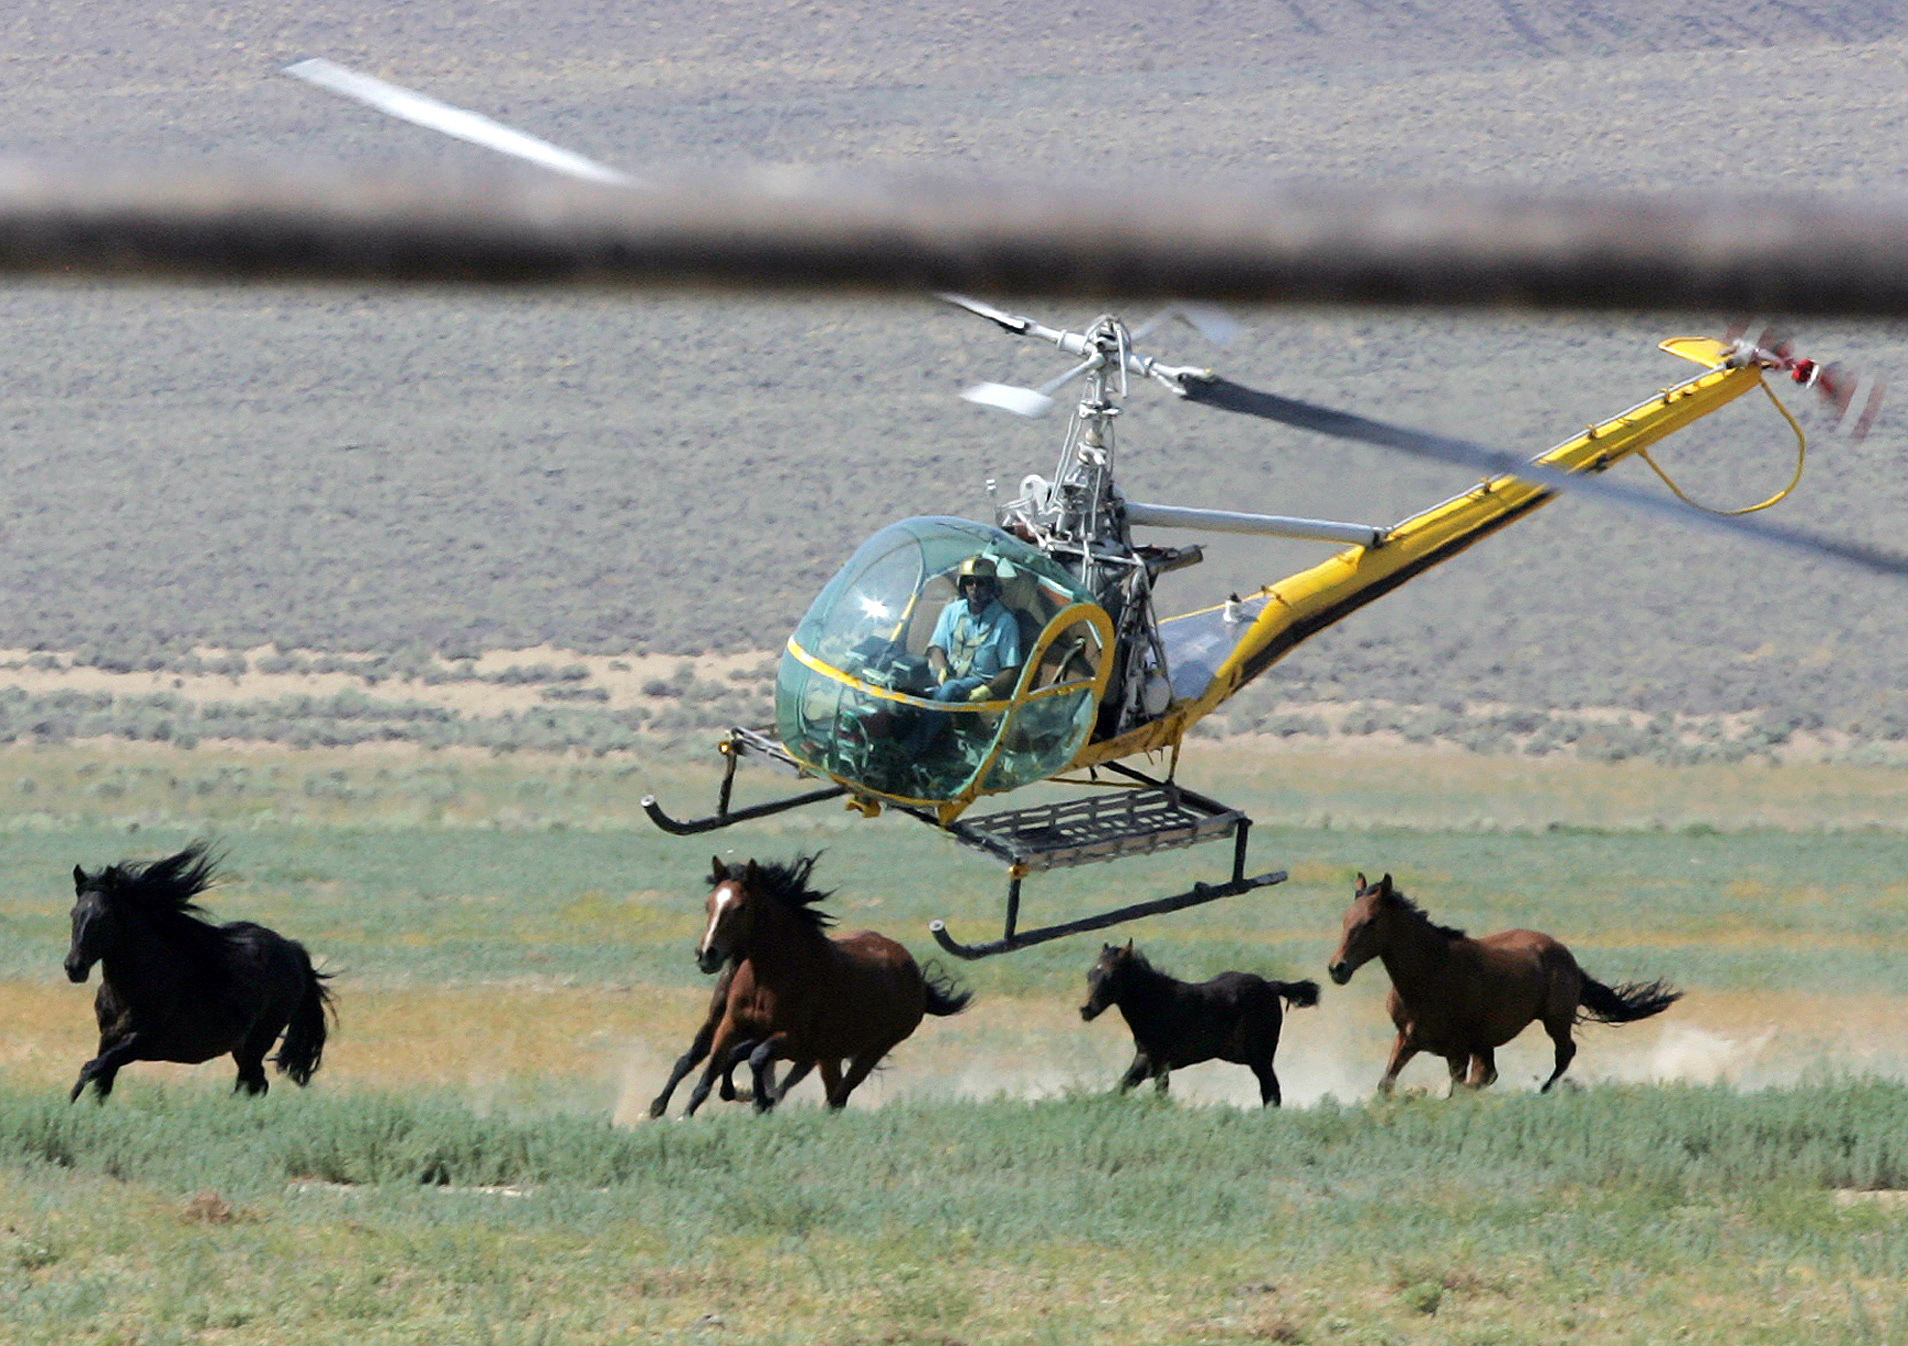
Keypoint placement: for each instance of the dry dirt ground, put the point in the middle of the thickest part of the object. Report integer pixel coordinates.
(621, 679)
(616, 1047)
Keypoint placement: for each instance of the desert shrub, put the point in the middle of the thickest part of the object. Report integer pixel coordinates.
(1013, 1166)
(1294, 725)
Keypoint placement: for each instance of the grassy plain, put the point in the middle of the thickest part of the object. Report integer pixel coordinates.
(514, 978)
(1618, 1215)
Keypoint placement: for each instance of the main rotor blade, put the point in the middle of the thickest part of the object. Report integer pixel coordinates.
(1229, 396)
(1012, 322)
(477, 129)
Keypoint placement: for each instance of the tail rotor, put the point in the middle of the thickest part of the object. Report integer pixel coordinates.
(1854, 398)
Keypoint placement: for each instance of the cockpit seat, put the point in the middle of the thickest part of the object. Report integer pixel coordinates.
(1064, 660)
(1020, 594)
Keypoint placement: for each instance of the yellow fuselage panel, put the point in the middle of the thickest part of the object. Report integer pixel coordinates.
(1311, 600)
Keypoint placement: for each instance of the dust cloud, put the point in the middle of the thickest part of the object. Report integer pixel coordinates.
(1034, 1050)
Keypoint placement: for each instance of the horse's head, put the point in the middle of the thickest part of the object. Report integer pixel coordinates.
(1107, 978)
(1359, 944)
(95, 924)
(731, 914)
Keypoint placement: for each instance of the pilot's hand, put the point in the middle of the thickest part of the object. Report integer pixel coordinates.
(981, 693)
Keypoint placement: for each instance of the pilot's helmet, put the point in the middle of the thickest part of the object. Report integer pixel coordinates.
(978, 569)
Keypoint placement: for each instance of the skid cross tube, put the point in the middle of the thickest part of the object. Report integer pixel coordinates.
(1199, 893)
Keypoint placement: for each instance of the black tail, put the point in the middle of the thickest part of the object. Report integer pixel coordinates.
(945, 996)
(1298, 994)
(1624, 1004)
(303, 1049)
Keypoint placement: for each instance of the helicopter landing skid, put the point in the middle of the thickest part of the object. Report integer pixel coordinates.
(1146, 816)
(1157, 815)
(741, 743)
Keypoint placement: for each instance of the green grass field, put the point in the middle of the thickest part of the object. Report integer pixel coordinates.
(1609, 1215)
(513, 948)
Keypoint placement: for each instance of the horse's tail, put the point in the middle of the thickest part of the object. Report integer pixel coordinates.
(1298, 994)
(1626, 1003)
(945, 996)
(303, 1048)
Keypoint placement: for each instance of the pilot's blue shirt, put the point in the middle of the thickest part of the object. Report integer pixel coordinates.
(977, 647)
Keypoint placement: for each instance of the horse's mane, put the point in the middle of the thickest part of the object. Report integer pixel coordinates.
(1448, 931)
(1141, 964)
(788, 885)
(163, 892)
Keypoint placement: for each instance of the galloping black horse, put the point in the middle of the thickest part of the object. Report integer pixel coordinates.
(176, 987)
(1234, 1017)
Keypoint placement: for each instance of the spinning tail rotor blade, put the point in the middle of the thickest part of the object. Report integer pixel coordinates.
(1229, 396)
(1854, 398)
(1860, 404)
(473, 127)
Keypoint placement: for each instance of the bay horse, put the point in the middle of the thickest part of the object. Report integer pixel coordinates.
(1462, 998)
(699, 1049)
(1234, 1017)
(835, 1004)
(176, 987)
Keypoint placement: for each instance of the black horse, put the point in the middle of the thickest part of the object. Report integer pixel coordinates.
(176, 987)
(1234, 1017)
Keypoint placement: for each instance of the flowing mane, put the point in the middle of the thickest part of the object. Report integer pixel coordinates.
(164, 892)
(1138, 965)
(788, 885)
(1448, 931)
(160, 887)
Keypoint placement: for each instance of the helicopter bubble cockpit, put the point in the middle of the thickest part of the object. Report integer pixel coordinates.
(855, 681)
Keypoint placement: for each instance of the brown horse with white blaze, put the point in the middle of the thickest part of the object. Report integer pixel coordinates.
(1462, 998)
(834, 1004)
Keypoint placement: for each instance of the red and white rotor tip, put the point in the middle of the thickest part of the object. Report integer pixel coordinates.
(1856, 398)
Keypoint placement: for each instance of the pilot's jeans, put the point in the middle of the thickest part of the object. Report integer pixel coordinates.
(928, 726)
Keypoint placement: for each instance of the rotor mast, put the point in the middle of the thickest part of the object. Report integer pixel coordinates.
(1080, 518)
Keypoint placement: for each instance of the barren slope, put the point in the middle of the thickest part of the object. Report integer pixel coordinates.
(341, 470)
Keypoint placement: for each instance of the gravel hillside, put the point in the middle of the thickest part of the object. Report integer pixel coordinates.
(343, 470)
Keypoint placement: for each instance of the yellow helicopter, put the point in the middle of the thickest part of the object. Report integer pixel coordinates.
(1097, 676)
(1081, 673)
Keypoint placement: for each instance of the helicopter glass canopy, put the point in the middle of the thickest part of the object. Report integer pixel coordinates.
(854, 696)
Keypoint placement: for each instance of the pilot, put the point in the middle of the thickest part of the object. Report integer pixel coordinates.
(974, 652)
